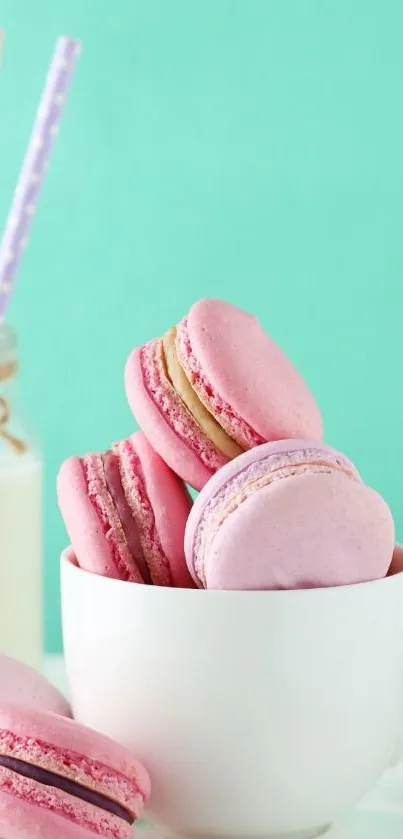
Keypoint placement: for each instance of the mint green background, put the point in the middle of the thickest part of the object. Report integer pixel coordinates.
(249, 150)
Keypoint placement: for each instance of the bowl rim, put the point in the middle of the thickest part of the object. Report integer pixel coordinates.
(68, 560)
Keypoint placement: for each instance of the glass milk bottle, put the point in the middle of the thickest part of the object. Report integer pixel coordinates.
(21, 613)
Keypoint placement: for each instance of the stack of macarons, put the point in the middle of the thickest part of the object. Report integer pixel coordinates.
(223, 410)
(58, 778)
(126, 511)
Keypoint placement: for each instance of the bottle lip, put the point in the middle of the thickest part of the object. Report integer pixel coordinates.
(8, 339)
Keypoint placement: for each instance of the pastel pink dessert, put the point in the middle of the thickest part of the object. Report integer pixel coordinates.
(22, 685)
(60, 780)
(215, 386)
(125, 512)
(288, 515)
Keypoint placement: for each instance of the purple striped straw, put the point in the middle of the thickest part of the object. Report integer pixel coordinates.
(32, 174)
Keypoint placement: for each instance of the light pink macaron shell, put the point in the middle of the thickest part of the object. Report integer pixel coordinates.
(83, 526)
(22, 685)
(250, 372)
(171, 505)
(303, 532)
(162, 437)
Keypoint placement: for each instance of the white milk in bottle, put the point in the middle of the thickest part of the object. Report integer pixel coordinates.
(21, 612)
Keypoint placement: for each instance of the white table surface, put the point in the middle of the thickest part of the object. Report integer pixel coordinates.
(378, 816)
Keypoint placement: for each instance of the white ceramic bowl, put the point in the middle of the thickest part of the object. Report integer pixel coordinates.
(258, 714)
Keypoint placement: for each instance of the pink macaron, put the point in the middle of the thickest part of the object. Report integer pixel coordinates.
(22, 685)
(214, 386)
(125, 512)
(288, 515)
(60, 780)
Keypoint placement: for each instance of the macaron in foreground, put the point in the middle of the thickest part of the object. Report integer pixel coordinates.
(61, 780)
(215, 386)
(125, 512)
(22, 685)
(288, 515)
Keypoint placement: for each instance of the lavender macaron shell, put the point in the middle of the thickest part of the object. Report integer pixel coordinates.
(230, 472)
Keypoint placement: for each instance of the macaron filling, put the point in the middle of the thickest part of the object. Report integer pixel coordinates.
(168, 402)
(271, 468)
(116, 488)
(41, 800)
(52, 779)
(205, 420)
(235, 425)
(113, 482)
(122, 779)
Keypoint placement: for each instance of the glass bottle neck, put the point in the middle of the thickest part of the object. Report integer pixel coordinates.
(11, 439)
(8, 372)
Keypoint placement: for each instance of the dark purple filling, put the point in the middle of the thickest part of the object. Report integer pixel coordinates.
(50, 779)
(116, 491)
